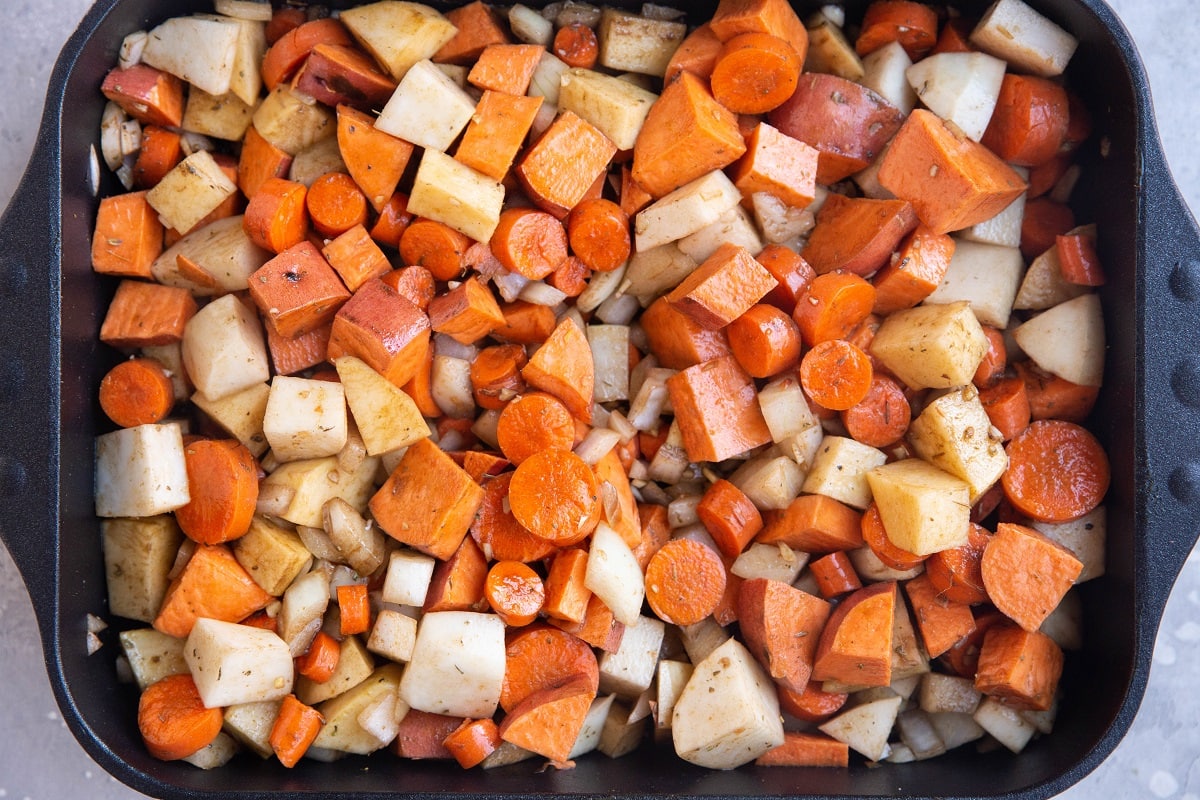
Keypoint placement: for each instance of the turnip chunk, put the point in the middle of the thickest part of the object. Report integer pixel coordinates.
(234, 663)
(1067, 340)
(140, 471)
(199, 50)
(457, 665)
(614, 576)
(728, 713)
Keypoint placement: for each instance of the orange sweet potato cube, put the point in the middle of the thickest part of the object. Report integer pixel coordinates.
(942, 622)
(857, 234)
(478, 27)
(813, 523)
(777, 164)
(716, 406)
(212, 585)
(686, 134)
(356, 257)
(297, 291)
(375, 159)
(428, 501)
(776, 17)
(382, 328)
(146, 94)
(566, 595)
(258, 161)
(457, 583)
(564, 164)
(678, 341)
(298, 353)
(506, 67)
(128, 236)
(722, 288)
(1020, 667)
(921, 261)
(563, 367)
(496, 132)
(142, 314)
(466, 313)
(952, 181)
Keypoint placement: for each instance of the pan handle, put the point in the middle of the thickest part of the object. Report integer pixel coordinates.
(29, 462)
(1170, 359)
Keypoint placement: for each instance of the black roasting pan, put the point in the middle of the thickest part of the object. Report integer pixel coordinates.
(1148, 418)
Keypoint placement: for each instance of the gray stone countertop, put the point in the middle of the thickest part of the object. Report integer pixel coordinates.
(40, 760)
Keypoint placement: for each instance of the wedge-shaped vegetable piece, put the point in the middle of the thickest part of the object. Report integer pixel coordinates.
(778, 164)
(312, 482)
(924, 509)
(201, 50)
(223, 348)
(985, 275)
(138, 556)
(456, 195)
(234, 664)
(304, 604)
(728, 713)
(398, 34)
(428, 502)
(221, 249)
(146, 94)
(1013, 31)
(342, 730)
(387, 417)
(1044, 285)
(839, 470)
(1006, 724)
(291, 122)
(628, 670)
(959, 87)
(942, 622)
(355, 665)
(857, 235)
(140, 471)
(632, 43)
(427, 108)
(250, 724)
(305, 418)
(884, 73)
(239, 414)
(952, 181)
(781, 627)
(549, 721)
(563, 367)
(1084, 537)
(686, 135)
(613, 574)
(682, 212)
(1026, 574)
(152, 655)
(617, 107)
(856, 642)
(273, 555)
(722, 288)
(953, 433)
(478, 27)
(190, 191)
(829, 51)
(375, 158)
(931, 346)
(457, 666)
(221, 116)
(1067, 340)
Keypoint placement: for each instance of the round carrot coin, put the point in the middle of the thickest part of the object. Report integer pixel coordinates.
(136, 392)
(685, 581)
(498, 533)
(881, 418)
(1057, 471)
(534, 422)
(515, 592)
(836, 374)
(223, 483)
(598, 232)
(814, 704)
(173, 720)
(554, 494)
(539, 657)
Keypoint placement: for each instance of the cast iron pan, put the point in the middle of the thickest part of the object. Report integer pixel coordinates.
(1148, 418)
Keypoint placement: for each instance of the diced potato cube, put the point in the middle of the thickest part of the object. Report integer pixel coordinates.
(224, 348)
(314, 481)
(398, 34)
(140, 471)
(456, 195)
(615, 106)
(355, 665)
(152, 655)
(240, 414)
(1013, 31)
(457, 665)
(190, 191)
(629, 670)
(251, 724)
(924, 509)
(393, 635)
(201, 50)
(272, 555)
(234, 663)
(931, 346)
(427, 108)
(840, 471)
(955, 434)
(408, 577)
(292, 121)
(629, 43)
(770, 481)
(138, 555)
(986, 276)
(224, 116)
(305, 418)
(685, 210)
(342, 731)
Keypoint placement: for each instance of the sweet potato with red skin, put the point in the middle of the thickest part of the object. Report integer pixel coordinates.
(696, 54)
(913, 25)
(289, 52)
(146, 94)
(422, 735)
(382, 328)
(846, 122)
(548, 721)
(335, 74)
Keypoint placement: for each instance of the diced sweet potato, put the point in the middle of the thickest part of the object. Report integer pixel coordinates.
(128, 236)
(562, 166)
(856, 645)
(677, 340)
(857, 235)
(716, 407)
(297, 291)
(1020, 667)
(777, 164)
(382, 328)
(722, 288)
(143, 314)
(781, 626)
(813, 523)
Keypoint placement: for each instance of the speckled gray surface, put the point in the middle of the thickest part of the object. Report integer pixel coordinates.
(1160, 757)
